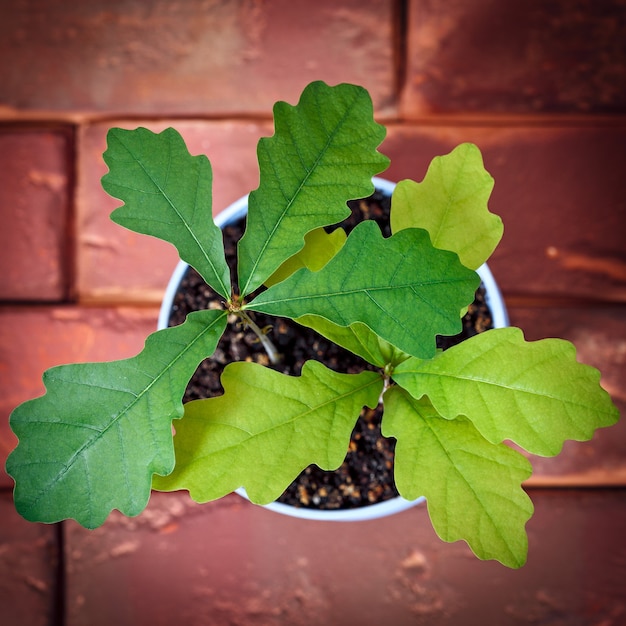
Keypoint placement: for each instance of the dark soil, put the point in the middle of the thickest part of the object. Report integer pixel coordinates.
(366, 476)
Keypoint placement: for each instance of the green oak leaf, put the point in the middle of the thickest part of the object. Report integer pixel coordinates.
(451, 204)
(357, 338)
(93, 441)
(265, 429)
(319, 248)
(322, 154)
(409, 280)
(167, 194)
(472, 487)
(533, 393)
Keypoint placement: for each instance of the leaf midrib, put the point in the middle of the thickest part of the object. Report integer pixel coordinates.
(451, 198)
(123, 412)
(490, 383)
(309, 172)
(299, 416)
(360, 290)
(496, 527)
(187, 226)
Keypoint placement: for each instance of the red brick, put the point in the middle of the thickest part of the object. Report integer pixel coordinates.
(188, 57)
(599, 335)
(116, 264)
(28, 568)
(538, 56)
(230, 562)
(33, 340)
(560, 192)
(35, 167)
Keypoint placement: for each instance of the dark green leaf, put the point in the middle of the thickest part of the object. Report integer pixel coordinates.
(168, 195)
(323, 153)
(402, 288)
(93, 441)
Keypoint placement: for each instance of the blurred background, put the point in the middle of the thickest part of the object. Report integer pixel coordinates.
(539, 86)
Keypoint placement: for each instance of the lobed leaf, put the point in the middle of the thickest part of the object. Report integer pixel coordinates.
(451, 204)
(319, 248)
(93, 441)
(533, 393)
(385, 284)
(266, 428)
(167, 194)
(472, 487)
(322, 154)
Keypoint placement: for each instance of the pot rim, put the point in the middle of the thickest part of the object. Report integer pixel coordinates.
(495, 302)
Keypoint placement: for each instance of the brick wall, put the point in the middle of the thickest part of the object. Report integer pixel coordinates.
(540, 86)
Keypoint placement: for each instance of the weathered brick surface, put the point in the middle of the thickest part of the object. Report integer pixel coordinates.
(560, 192)
(28, 574)
(36, 171)
(531, 73)
(34, 339)
(114, 263)
(538, 56)
(188, 57)
(232, 562)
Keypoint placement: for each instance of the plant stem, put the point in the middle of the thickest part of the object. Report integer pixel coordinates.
(272, 353)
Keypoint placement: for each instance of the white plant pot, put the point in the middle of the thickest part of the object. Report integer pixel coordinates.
(500, 319)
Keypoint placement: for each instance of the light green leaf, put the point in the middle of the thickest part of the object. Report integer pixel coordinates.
(323, 153)
(533, 393)
(451, 204)
(357, 338)
(265, 429)
(472, 487)
(319, 248)
(384, 283)
(168, 195)
(93, 441)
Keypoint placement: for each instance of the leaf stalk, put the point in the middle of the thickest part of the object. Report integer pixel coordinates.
(272, 353)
